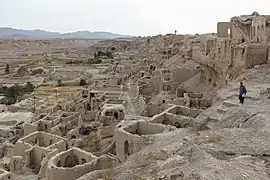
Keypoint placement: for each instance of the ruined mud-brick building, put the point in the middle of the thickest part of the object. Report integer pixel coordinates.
(241, 43)
(250, 28)
(254, 31)
(132, 136)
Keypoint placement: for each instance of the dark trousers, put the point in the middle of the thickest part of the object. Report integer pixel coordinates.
(241, 98)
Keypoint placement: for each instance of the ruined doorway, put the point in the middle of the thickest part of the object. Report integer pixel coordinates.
(126, 148)
(177, 125)
(31, 160)
(115, 115)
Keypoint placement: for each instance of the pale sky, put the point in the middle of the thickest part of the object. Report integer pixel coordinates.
(133, 17)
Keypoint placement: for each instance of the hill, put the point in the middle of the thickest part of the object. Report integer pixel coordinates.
(9, 33)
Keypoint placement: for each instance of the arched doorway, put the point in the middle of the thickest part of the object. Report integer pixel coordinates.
(177, 124)
(116, 115)
(187, 126)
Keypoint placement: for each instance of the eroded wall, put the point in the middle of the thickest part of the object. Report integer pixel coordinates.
(222, 29)
(256, 54)
(86, 163)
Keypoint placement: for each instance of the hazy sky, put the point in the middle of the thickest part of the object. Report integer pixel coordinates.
(134, 17)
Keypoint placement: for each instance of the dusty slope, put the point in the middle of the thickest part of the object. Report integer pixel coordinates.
(236, 148)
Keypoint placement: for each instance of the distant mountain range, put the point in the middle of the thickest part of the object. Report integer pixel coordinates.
(10, 33)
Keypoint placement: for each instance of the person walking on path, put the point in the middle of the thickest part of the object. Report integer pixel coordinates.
(242, 93)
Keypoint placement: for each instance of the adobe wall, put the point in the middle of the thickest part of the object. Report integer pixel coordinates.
(166, 86)
(44, 125)
(258, 26)
(13, 108)
(133, 137)
(159, 118)
(36, 155)
(156, 83)
(39, 138)
(239, 54)
(193, 84)
(49, 139)
(142, 104)
(268, 59)
(151, 110)
(4, 175)
(56, 130)
(147, 128)
(235, 33)
(114, 101)
(173, 120)
(106, 132)
(21, 147)
(179, 121)
(121, 137)
(29, 128)
(147, 90)
(222, 29)
(56, 172)
(209, 45)
(3, 108)
(44, 163)
(256, 54)
(184, 111)
(223, 49)
(68, 116)
(17, 164)
(180, 75)
(60, 145)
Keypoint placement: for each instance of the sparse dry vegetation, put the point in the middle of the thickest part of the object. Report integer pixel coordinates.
(212, 138)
